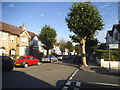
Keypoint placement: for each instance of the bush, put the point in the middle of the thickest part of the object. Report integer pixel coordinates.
(104, 54)
(38, 55)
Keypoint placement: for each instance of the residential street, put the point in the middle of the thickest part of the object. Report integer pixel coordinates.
(46, 75)
(56, 75)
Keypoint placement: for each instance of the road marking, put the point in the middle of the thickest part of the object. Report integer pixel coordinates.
(73, 74)
(65, 88)
(68, 83)
(76, 88)
(102, 83)
(78, 84)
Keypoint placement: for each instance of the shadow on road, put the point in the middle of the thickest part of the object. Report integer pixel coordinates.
(18, 79)
(104, 71)
(68, 62)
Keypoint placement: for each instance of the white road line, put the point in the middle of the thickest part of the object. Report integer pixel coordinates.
(68, 83)
(78, 84)
(65, 88)
(102, 83)
(70, 77)
(76, 88)
(73, 74)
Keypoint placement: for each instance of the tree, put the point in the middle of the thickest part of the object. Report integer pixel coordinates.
(102, 46)
(84, 21)
(77, 49)
(62, 45)
(69, 46)
(48, 37)
(91, 46)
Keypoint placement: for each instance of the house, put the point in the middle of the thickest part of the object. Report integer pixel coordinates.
(35, 42)
(18, 41)
(113, 36)
(56, 49)
(15, 40)
(109, 37)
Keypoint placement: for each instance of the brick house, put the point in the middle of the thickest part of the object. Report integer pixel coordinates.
(14, 41)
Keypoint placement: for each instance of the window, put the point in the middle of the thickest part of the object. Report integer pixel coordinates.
(22, 58)
(28, 57)
(4, 36)
(24, 40)
(11, 38)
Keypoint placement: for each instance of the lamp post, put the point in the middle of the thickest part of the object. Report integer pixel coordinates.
(112, 46)
(109, 60)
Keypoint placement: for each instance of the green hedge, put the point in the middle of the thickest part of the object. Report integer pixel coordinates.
(104, 54)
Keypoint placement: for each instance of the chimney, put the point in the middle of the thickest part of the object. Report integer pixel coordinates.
(23, 27)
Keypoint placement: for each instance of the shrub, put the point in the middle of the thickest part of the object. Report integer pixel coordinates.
(104, 54)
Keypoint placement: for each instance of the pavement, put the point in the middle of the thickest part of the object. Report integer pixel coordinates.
(92, 76)
(95, 68)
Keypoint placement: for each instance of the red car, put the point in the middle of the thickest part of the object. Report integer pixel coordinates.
(27, 60)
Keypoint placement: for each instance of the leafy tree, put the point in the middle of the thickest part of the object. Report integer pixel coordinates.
(62, 45)
(77, 49)
(84, 21)
(48, 37)
(102, 46)
(69, 46)
(91, 47)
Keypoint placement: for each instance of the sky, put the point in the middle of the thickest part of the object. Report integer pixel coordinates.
(36, 15)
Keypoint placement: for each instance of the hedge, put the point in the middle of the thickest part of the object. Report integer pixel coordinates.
(104, 54)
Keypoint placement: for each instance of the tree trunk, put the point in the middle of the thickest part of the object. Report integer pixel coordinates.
(47, 52)
(82, 42)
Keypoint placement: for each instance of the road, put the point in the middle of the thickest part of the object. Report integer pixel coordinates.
(55, 75)
(46, 75)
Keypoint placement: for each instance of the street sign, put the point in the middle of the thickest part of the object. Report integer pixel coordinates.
(113, 46)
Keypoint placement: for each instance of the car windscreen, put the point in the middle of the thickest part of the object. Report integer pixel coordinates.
(51, 56)
(45, 56)
(22, 58)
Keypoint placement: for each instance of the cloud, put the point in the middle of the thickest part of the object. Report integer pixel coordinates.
(59, 13)
(55, 11)
(41, 14)
(4, 12)
(63, 37)
(105, 6)
(101, 36)
(102, 13)
(10, 5)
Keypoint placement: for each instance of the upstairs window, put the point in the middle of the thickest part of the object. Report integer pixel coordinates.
(11, 38)
(4, 36)
(24, 40)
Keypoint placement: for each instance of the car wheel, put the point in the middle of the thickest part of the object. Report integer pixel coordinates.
(38, 63)
(51, 61)
(25, 65)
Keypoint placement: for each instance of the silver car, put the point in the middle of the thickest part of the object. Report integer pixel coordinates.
(49, 58)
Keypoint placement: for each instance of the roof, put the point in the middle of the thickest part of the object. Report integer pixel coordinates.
(57, 44)
(32, 34)
(14, 29)
(117, 26)
(110, 33)
(10, 28)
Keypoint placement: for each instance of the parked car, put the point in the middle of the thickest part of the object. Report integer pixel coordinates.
(49, 58)
(60, 57)
(25, 61)
(7, 63)
(77, 59)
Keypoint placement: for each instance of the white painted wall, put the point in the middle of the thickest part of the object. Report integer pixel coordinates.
(113, 64)
(0, 52)
(23, 50)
